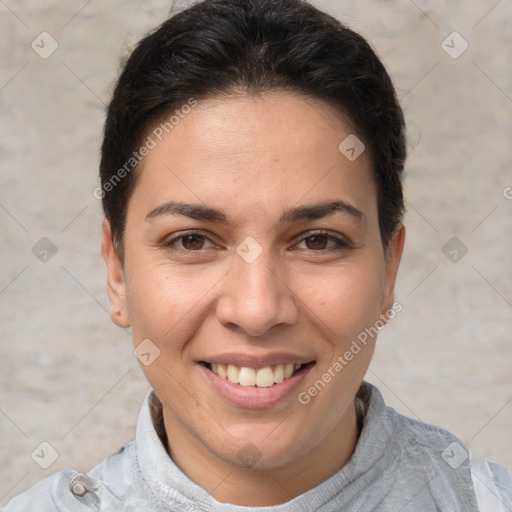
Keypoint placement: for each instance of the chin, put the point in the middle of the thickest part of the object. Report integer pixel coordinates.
(258, 452)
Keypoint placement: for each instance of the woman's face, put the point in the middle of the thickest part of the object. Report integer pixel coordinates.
(253, 241)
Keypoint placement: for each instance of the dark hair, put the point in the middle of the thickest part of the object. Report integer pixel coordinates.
(253, 46)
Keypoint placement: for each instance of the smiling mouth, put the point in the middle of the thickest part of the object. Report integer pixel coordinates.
(264, 377)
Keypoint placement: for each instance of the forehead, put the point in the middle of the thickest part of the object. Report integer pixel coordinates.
(255, 152)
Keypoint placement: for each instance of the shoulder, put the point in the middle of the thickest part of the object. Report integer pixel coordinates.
(428, 436)
(72, 491)
(492, 483)
(43, 494)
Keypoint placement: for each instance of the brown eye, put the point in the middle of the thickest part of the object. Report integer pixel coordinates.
(193, 242)
(187, 243)
(322, 242)
(316, 242)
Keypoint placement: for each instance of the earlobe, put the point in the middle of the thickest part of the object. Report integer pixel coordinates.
(394, 253)
(116, 286)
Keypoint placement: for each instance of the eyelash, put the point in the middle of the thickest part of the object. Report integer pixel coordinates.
(340, 244)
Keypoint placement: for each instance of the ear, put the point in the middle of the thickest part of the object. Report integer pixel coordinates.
(116, 286)
(394, 252)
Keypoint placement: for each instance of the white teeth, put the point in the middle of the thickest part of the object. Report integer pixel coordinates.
(263, 377)
(233, 372)
(247, 376)
(222, 371)
(279, 374)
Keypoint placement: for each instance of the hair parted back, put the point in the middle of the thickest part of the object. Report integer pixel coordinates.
(224, 47)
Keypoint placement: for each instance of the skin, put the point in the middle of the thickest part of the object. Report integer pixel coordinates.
(254, 158)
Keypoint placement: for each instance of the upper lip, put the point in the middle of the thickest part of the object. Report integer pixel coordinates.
(253, 361)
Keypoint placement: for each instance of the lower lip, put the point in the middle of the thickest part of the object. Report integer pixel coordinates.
(252, 397)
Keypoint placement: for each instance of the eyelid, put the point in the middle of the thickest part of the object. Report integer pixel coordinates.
(340, 240)
(170, 242)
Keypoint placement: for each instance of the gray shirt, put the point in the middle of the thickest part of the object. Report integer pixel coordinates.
(399, 464)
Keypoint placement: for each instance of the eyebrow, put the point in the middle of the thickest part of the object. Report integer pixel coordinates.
(294, 215)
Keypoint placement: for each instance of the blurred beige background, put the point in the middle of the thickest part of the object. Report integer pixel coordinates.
(68, 376)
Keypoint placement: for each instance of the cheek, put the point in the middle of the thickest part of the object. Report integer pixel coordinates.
(162, 301)
(344, 301)
(167, 308)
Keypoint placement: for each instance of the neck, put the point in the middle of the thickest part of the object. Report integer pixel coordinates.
(255, 487)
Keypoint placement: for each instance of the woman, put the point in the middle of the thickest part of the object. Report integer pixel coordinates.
(252, 187)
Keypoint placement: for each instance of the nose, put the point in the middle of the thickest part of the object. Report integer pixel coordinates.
(256, 297)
